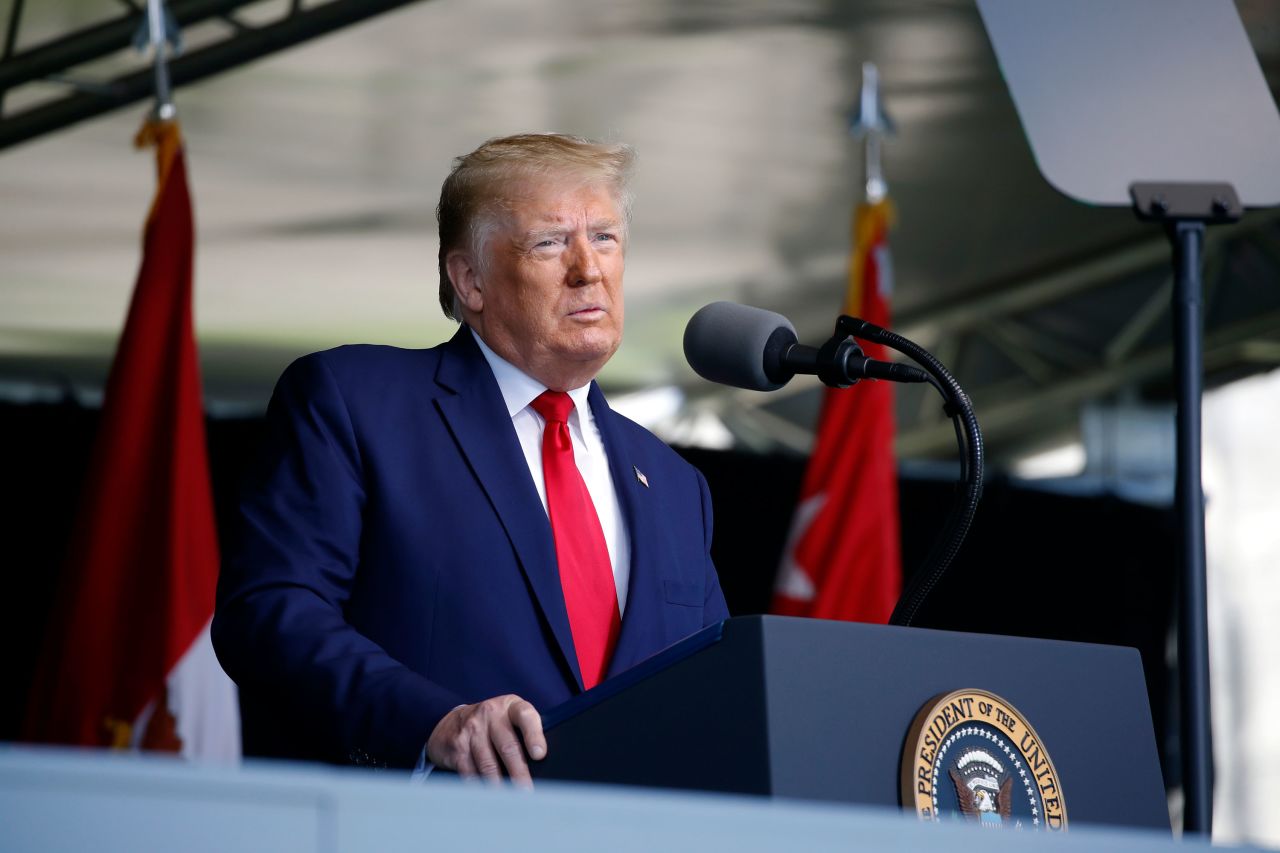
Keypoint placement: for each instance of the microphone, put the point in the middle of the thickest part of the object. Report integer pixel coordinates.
(758, 350)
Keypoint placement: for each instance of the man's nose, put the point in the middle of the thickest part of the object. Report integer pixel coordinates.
(584, 262)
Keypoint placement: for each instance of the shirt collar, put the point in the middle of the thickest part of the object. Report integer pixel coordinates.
(518, 388)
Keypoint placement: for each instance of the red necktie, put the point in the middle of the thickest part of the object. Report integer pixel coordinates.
(586, 575)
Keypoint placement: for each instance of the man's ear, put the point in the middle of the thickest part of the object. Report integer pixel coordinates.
(466, 280)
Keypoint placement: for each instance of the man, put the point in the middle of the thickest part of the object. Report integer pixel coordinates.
(438, 543)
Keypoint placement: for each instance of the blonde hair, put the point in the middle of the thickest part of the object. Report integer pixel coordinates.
(480, 186)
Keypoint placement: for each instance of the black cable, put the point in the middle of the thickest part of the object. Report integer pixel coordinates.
(969, 487)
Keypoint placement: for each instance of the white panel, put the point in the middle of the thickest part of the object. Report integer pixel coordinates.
(1143, 90)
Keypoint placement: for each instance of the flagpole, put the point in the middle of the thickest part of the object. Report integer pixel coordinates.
(164, 108)
(870, 122)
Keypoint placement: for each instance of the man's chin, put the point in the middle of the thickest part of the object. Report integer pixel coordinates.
(589, 348)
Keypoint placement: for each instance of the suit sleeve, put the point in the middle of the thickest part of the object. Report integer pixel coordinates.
(714, 608)
(292, 557)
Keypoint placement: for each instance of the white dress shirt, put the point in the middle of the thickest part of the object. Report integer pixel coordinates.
(518, 391)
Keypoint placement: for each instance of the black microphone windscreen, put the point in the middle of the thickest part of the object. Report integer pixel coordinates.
(727, 343)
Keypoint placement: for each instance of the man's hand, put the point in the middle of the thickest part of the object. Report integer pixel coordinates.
(480, 740)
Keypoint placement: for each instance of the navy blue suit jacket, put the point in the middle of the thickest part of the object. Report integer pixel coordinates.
(391, 558)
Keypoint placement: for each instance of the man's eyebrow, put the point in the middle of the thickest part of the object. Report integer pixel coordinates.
(539, 234)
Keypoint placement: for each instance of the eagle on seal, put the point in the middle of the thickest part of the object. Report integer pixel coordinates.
(981, 801)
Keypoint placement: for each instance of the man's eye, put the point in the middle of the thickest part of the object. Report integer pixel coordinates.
(606, 237)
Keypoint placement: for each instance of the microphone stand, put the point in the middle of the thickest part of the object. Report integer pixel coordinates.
(968, 438)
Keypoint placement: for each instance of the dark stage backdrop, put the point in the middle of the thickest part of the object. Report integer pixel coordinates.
(1036, 564)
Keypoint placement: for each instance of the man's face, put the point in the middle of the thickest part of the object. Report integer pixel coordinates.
(550, 290)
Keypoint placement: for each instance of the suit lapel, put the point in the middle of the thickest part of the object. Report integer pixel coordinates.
(644, 593)
(478, 419)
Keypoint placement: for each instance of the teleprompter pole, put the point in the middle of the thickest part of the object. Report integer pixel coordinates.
(1185, 209)
(1193, 620)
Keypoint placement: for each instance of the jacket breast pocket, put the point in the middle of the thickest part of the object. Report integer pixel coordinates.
(686, 594)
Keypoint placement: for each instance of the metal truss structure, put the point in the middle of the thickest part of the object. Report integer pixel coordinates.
(74, 61)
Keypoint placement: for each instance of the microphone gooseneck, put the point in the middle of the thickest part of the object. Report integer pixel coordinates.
(756, 349)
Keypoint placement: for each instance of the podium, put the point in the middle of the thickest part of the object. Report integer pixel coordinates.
(820, 710)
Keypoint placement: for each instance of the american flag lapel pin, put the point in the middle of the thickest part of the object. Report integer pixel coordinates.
(644, 481)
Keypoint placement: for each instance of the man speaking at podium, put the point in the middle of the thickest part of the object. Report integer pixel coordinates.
(437, 543)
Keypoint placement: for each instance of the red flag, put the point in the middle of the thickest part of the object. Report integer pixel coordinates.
(127, 661)
(843, 556)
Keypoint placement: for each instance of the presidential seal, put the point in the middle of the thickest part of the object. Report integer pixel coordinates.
(971, 756)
